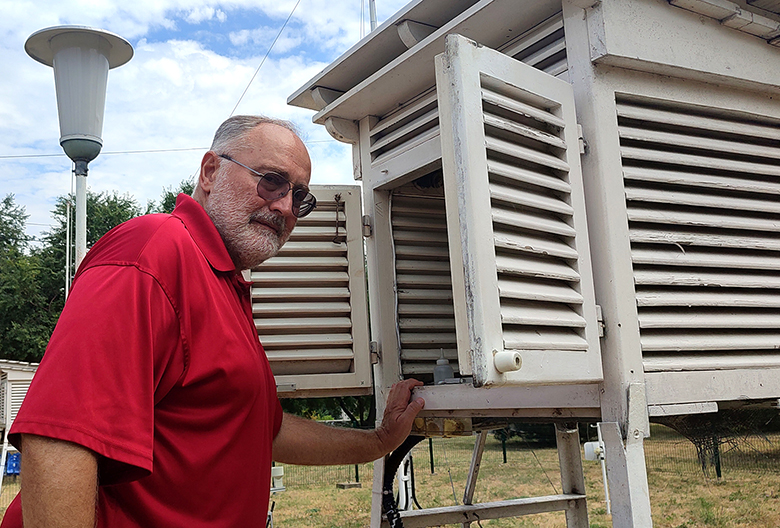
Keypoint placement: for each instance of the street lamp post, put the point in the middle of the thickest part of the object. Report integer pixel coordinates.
(81, 57)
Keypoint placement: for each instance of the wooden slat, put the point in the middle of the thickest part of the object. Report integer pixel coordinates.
(419, 237)
(682, 361)
(426, 339)
(320, 247)
(526, 176)
(717, 239)
(299, 293)
(541, 268)
(423, 266)
(692, 179)
(717, 321)
(521, 197)
(525, 154)
(533, 36)
(267, 309)
(535, 222)
(538, 291)
(532, 313)
(687, 341)
(407, 280)
(420, 295)
(682, 257)
(698, 277)
(703, 162)
(698, 199)
(292, 277)
(425, 310)
(426, 324)
(413, 141)
(525, 131)
(407, 131)
(718, 147)
(524, 338)
(292, 263)
(707, 298)
(535, 244)
(278, 341)
(397, 116)
(708, 124)
(522, 109)
(700, 219)
(403, 252)
(545, 53)
(320, 354)
(305, 325)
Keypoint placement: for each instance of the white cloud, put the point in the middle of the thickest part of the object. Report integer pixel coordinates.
(172, 95)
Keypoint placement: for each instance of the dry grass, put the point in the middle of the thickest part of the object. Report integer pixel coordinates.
(681, 497)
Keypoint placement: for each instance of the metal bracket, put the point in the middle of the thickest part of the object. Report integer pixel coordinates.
(367, 229)
(373, 348)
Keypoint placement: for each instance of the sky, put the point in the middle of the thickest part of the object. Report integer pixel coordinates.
(192, 61)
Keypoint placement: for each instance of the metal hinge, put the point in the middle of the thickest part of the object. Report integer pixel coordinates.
(581, 139)
(600, 320)
(367, 230)
(373, 348)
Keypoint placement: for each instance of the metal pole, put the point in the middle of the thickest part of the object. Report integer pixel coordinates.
(372, 13)
(81, 211)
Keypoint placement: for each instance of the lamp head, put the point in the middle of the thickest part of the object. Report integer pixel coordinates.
(81, 57)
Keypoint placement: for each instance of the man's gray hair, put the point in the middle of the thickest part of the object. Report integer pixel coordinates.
(233, 129)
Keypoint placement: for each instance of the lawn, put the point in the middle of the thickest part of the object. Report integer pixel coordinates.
(681, 496)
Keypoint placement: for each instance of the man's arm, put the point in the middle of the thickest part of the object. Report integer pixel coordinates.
(60, 484)
(302, 441)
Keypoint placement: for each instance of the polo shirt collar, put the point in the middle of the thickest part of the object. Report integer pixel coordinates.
(203, 232)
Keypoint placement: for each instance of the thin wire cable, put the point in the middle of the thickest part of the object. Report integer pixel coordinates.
(454, 495)
(152, 151)
(266, 56)
(540, 465)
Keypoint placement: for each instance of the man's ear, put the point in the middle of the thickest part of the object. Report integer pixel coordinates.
(208, 171)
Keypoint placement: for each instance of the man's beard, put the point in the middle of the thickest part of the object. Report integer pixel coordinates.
(252, 238)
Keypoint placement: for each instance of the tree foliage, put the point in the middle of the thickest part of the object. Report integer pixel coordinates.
(26, 315)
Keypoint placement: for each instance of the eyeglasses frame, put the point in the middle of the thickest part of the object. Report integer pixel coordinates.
(290, 187)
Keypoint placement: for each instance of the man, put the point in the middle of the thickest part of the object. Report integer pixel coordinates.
(154, 390)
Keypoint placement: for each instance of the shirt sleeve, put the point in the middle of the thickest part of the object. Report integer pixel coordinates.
(116, 343)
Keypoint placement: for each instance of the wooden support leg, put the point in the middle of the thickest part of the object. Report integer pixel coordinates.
(476, 462)
(572, 477)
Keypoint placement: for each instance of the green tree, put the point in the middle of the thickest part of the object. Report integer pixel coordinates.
(360, 410)
(26, 318)
(168, 197)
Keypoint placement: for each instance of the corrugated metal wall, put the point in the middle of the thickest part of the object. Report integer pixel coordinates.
(703, 197)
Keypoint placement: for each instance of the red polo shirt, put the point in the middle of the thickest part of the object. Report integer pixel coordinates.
(155, 365)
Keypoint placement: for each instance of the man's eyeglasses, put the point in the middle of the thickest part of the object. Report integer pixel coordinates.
(273, 186)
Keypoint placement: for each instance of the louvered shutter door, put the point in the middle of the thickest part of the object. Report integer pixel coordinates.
(407, 139)
(309, 302)
(703, 199)
(523, 292)
(18, 390)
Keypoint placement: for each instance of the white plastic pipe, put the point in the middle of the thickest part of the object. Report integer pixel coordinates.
(81, 218)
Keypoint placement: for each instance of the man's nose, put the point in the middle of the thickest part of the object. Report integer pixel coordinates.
(283, 205)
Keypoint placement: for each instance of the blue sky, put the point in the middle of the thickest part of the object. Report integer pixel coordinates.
(193, 60)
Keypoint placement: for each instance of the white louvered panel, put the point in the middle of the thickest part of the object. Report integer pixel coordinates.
(426, 323)
(309, 301)
(3, 399)
(417, 121)
(18, 390)
(511, 147)
(703, 200)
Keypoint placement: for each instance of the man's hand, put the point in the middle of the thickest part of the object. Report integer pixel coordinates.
(302, 441)
(399, 414)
